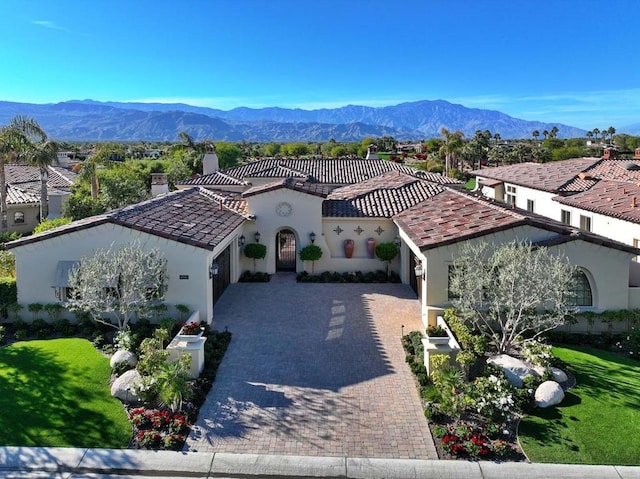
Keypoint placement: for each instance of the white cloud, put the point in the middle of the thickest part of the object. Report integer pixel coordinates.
(50, 25)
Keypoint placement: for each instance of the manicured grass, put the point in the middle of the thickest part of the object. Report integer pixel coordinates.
(56, 393)
(599, 420)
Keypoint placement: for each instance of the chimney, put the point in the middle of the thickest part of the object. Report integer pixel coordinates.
(372, 152)
(159, 184)
(210, 163)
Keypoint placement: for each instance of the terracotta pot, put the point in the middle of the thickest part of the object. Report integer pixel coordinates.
(371, 247)
(349, 245)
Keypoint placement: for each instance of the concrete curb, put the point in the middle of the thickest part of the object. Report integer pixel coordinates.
(70, 463)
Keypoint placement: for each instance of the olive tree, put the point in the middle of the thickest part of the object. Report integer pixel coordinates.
(121, 283)
(511, 291)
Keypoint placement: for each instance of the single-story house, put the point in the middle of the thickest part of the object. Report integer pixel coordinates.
(288, 204)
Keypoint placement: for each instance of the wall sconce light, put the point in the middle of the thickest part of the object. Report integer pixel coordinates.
(397, 242)
(257, 236)
(241, 241)
(214, 269)
(312, 237)
(419, 270)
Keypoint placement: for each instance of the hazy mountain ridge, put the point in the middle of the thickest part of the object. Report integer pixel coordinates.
(91, 120)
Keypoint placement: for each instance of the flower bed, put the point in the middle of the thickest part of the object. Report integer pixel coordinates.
(159, 428)
(355, 277)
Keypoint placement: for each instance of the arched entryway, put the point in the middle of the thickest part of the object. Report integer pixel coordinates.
(285, 250)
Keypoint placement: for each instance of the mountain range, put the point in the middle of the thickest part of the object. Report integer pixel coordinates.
(88, 120)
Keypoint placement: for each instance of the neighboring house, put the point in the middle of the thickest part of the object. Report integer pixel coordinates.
(287, 204)
(596, 195)
(23, 195)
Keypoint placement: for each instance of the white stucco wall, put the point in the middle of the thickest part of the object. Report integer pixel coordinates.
(606, 268)
(31, 213)
(36, 264)
(305, 217)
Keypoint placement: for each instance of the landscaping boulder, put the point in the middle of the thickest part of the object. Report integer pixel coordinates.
(123, 356)
(559, 375)
(124, 387)
(549, 393)
(514, 369)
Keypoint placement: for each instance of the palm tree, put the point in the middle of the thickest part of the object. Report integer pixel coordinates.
(535, 134)
(43, 155)
(450, 147)
(545, 133)
(596, 131)
(497, 137)
(16, 142)
(554, 132)
(612, 131)
(589, 134)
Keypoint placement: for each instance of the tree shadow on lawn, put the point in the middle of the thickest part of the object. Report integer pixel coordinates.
(555, 423)
(42, 406)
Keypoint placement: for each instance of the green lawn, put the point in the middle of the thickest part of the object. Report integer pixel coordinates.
(599, 420)
(56, 393)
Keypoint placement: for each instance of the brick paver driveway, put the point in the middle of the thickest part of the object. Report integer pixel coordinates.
(315, 369)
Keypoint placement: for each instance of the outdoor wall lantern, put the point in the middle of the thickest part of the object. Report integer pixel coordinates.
(214, 269)
(257, 236)
(312, 237)
(419, 270)
(241, 241)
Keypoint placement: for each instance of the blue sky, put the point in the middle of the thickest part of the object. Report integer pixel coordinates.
(564, 61)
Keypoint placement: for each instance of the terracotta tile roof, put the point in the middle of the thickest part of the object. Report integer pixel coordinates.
(382, 196)
(555, 176)
(189, 216)
(291, 184)
(454, 216)
(319, 170)
(230, 200)
(617, 170)
(21, 196)
(218, 179)
(58, 177)
(611, 198)
(451, 216)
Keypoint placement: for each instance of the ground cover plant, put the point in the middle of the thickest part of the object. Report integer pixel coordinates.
(56, 393)
(378, 276)
(599, 420)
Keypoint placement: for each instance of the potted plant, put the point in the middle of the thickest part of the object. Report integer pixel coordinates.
(190, 331)
(255, 251)
(386, 252)
(311, 253)
(437, 334)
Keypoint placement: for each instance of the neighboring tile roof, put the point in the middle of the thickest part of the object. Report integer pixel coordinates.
(218, 179)
(291, 184)
(20, 196)
(611, 198)
(318, 170)
(230, 199)
(18, 173)
(189, 216)
(382, 196)
(618, 170)
(555, 176)
(454, 216)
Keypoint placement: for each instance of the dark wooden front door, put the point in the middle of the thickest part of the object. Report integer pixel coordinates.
(223, 278)
(285, 251)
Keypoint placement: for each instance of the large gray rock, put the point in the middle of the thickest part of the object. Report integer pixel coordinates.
(123, 356)
(559, 375)
(549, 393)
(124, 387)
(514, 369)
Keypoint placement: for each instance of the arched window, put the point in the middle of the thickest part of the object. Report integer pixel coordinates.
(18, 217)
(581, 290)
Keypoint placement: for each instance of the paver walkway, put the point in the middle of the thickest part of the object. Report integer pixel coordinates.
(315, 369)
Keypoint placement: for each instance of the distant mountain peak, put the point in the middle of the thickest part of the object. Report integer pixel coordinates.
(91, 120)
